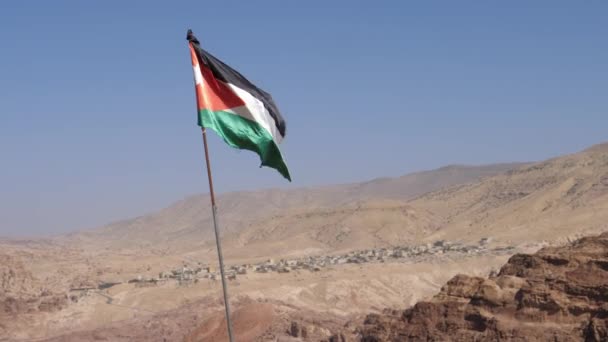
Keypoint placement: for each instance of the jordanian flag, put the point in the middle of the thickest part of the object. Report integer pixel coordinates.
(242, 114)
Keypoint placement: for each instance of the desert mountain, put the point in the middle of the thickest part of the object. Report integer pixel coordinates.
(188, 222)
(359, 225)
(556, 199)
(338, 251)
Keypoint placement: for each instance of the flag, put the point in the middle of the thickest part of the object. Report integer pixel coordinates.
(242, 114)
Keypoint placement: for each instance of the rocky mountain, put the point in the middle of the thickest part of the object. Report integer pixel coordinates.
(359, 225)
(552, 201)
(557, 294)
(188, 222)
(555, 199)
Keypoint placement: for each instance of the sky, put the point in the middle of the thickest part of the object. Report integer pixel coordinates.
(97, 107)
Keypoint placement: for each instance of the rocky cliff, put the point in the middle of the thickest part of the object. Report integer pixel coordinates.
(557, 294)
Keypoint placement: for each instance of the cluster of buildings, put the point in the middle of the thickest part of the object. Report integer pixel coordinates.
(316, 263)
(188, 274)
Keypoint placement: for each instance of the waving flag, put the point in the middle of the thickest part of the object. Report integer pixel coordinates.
(242, 114)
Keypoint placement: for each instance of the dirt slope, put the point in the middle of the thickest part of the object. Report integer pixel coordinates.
(360, 225)
(551, 200)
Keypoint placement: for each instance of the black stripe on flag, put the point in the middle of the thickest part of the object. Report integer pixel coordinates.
(223, 72)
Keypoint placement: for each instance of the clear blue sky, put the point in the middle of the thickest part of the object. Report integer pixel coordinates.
(97, 111)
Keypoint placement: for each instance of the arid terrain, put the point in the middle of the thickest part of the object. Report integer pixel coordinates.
(314, 263)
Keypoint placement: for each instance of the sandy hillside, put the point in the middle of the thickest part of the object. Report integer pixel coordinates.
(553, 200)
(186, 223)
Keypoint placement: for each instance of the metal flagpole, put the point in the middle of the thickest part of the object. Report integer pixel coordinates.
(217, 236)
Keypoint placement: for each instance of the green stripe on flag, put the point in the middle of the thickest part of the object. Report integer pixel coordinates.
(242, 133)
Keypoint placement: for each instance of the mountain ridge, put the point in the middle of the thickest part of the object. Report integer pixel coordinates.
(183, 219)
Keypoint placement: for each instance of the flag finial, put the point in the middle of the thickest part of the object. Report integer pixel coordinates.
(191, 38)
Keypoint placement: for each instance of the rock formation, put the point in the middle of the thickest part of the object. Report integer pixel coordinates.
(21, 293)
(557, 294)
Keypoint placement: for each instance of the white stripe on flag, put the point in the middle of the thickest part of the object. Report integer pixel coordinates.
(254, 110)
(198, 77)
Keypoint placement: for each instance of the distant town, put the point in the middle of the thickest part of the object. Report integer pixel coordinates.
(189, 273)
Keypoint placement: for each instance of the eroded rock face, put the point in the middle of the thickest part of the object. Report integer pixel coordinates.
(557, 294)
(20, 292)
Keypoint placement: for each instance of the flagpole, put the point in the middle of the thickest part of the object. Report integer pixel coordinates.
(217, 236)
